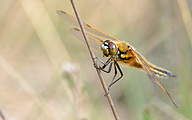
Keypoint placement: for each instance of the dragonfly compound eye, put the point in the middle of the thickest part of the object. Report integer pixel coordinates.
(109, 48)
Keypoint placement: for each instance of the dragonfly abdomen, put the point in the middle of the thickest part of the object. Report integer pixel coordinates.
(161, 72)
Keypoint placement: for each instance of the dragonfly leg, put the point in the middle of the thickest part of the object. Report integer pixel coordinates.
(99, 60)
(107, 71)
(109, 61)
(116, 66)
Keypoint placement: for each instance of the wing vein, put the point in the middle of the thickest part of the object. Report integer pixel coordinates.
(151, 75)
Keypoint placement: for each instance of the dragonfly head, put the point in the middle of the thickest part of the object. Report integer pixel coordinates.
(109, 48)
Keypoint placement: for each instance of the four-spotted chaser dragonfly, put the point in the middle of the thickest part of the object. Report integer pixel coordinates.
(118, 52)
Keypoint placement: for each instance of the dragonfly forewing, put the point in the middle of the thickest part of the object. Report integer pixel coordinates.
(95, 42)
(88, 28)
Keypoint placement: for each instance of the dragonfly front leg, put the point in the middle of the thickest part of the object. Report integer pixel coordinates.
(109, 61)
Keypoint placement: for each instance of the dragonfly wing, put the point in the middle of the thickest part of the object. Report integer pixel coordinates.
(95, 42)
(151, 74)
(73, 20)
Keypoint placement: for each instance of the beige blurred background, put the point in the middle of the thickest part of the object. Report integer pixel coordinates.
(47, 74)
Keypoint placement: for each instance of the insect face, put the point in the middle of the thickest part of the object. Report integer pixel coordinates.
(108, 48)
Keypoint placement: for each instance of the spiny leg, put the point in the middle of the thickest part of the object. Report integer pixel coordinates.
(112, 79)
(105, 64)
(113, 82)
(107, 71)
(99, 59)
(116, 66)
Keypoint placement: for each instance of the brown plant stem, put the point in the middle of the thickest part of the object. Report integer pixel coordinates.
(94, 61)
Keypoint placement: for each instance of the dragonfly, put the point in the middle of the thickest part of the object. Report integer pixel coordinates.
(118, 52)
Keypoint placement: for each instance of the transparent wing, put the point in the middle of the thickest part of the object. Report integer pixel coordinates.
(88, 28)
(94, 41)
(150, 74)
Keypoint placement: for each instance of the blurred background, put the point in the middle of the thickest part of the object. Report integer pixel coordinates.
(47, 74)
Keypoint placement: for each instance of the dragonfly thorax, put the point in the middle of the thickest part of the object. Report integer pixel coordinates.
(109, 48)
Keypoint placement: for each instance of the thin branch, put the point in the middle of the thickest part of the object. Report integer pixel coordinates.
(94, 61)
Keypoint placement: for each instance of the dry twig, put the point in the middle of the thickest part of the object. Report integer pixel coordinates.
(94, 61)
